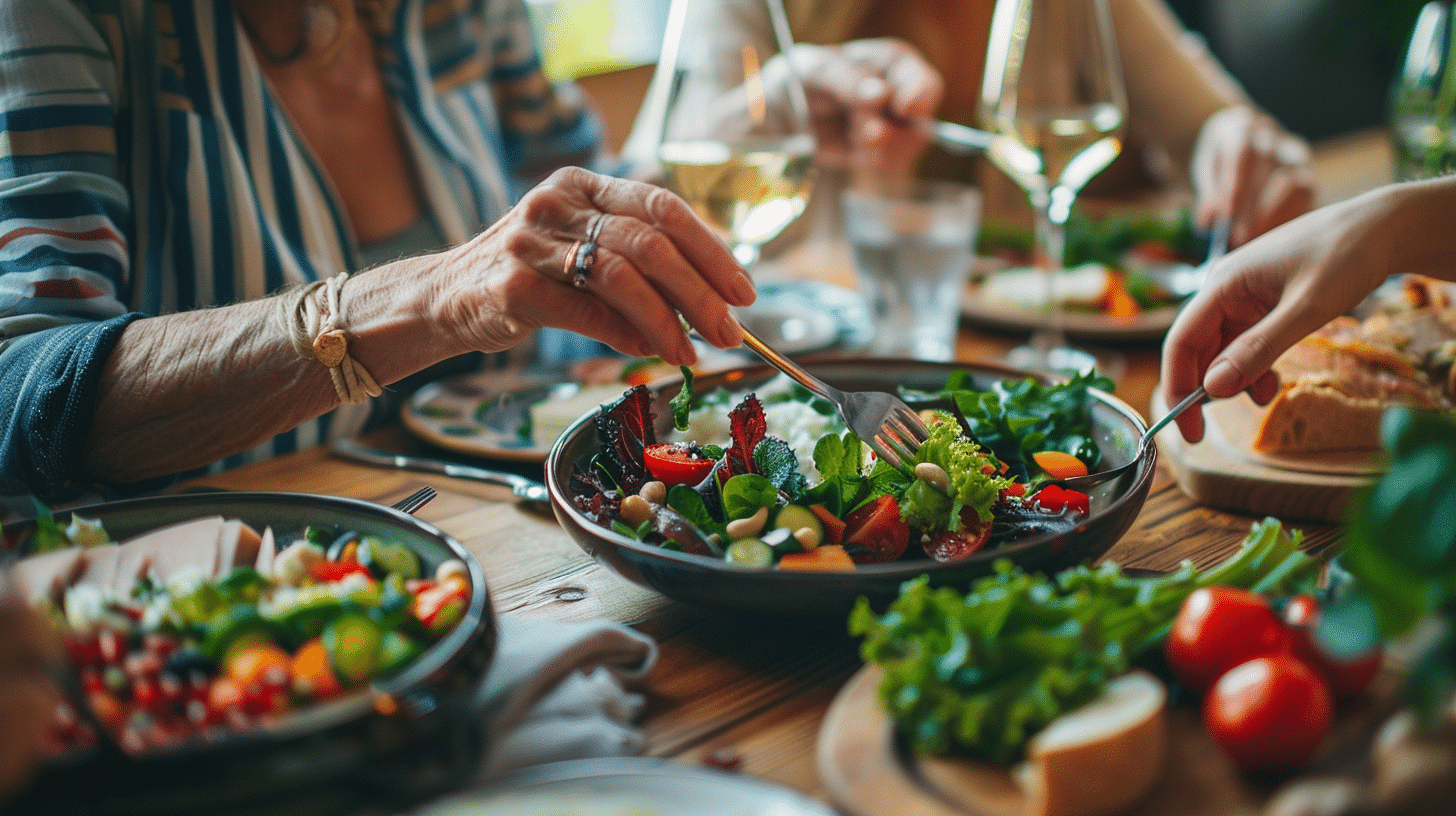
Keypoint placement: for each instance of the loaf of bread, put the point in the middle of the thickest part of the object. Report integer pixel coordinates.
(1335, 384)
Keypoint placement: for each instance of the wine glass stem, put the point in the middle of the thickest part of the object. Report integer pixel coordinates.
(1051, 236)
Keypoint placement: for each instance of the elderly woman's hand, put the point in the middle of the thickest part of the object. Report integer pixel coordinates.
(646, 258)
(861, 94)
(1249, 170)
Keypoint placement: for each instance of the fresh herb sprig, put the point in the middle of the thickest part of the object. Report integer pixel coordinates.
(982, 671)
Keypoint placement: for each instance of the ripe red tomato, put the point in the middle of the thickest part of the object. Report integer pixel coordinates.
(1269, 713)
(1347, 676)
(1218, 628)
(875, 533)
(675, 465)
(953, 546)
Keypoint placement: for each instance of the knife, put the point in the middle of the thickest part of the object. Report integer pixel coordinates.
(525, 489)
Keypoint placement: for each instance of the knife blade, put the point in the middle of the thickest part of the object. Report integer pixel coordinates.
(526, 490)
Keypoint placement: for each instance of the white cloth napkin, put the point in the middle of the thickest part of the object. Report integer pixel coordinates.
(558, 691)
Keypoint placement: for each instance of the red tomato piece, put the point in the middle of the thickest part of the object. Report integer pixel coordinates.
(875, 533)
(1348, 677)
(675, 465)
(953, 546)
(1269, 713)
(329, 571)
(1078, 503)
(1015, 489)
(1218, 628)
(1052, 499)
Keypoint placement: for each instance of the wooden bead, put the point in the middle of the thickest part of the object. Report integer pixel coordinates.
(330, 348)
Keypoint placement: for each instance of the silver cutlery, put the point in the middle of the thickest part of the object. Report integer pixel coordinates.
(890, 427)
(1083, 483)
(414, 501)
(954, 138)
(525, 489)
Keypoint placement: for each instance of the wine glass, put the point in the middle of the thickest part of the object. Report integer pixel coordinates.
(735, 138)
(1423, 99)
(1054, 98)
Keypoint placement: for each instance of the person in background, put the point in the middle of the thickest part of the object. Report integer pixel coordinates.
(1188, 121)
(1268, 295)
(171, 166)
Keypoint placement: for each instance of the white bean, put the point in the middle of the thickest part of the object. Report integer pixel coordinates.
(635, 510)
(808, 538)
(933, 475)
(654, 491)
(748, 527)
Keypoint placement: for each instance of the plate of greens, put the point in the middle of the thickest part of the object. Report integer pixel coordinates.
(1126, 276)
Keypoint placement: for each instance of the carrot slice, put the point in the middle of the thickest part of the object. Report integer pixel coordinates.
(833, 527)
(824, 558)
(1117, 302)
(1059, 465)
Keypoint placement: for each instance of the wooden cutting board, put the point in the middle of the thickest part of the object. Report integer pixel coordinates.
(869, 771)
(1224, 470)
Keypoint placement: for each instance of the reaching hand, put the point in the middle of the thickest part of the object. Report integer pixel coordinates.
(1249, 170)
(861, 94)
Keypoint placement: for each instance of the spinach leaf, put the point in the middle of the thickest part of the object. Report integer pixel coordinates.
(682, 404)
(1016, 419)
(745, 493)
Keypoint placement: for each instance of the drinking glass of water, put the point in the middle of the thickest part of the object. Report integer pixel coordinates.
(913, 245)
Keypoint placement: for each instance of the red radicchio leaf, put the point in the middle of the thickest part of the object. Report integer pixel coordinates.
(748, 427)
(625, 429)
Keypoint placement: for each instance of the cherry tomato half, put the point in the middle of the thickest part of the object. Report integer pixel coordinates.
(1269, 713)
(1347, 676)
(676, 465)
(953, 546)
(875, 533)
(1218, 628)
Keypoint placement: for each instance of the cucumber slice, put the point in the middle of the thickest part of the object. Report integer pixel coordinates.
(749, 552)
(396, 650)
(389, 558)
(794, 517)
(353, 642)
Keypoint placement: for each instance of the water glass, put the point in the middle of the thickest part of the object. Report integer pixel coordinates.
(913, 245)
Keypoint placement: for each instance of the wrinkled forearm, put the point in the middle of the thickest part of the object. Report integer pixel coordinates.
(184, 390)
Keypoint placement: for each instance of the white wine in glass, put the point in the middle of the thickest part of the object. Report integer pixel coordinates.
(1054, 97)
(749, 190)
(733, 137)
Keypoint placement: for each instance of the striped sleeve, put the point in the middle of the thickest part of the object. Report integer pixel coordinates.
(64, 212)
(64, 217)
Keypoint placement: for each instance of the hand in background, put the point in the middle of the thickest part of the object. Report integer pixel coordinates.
(28, 698)
(1250, 170)
(861, 93)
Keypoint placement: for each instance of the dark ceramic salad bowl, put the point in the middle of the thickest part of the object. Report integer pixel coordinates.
(405, 737)
(828, 596)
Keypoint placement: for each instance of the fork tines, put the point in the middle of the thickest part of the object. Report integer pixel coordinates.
(416, 500)
(900, 436)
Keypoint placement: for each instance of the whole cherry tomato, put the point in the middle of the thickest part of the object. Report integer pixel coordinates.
(676, 465)
(1269, 713)
(1218, 628)
(875, 533)
(1347, 676)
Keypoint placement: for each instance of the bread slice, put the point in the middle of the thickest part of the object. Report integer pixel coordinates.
(1313, 415)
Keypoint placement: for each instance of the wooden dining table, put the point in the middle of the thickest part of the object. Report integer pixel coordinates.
(726, 691)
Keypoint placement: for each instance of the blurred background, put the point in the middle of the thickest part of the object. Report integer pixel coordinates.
(1323, 67)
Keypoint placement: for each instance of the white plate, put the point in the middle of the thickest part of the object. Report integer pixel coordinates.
(628, 787)
(485, 413)
(1150, 325)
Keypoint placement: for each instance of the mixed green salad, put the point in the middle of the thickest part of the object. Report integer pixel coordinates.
(757, 499)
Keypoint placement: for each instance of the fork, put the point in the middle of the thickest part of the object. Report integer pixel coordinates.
(891, 428)
(1082, 484)
(414, 501)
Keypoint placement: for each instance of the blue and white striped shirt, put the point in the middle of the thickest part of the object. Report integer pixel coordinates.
(145, 168)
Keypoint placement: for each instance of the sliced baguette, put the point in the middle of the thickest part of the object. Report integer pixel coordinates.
(1313, 415)
(1101, 758)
